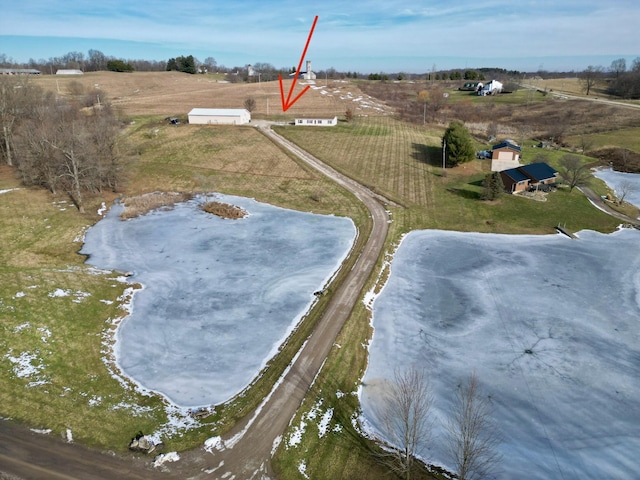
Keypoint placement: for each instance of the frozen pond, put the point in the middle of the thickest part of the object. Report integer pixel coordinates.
(219, 295)
(550, 326)
(616, 179)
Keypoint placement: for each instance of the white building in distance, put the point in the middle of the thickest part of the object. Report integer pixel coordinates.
(316, 122)
(219, 116)
(306, 75)
(69, 71)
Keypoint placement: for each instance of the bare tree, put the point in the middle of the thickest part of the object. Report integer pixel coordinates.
(625, 188)
(15, 94)
(406, 419)
(250, 104)
(573, 171)
(349, 114)
(618, 66)
(63, 147)
(589, 77)
(472, 434)
(585, 143)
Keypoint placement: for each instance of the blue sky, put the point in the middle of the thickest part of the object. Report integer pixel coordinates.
(362, 35)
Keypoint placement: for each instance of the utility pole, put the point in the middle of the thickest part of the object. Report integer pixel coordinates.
(444, 157)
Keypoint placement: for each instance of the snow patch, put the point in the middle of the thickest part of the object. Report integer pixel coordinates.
(302, 468)
(59, 292)
(24, 364)
(163, 458)
(214, 443)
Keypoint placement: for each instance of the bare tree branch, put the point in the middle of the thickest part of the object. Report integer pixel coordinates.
(406, 419)
(625, 188)
(472, 434)
(573, 171)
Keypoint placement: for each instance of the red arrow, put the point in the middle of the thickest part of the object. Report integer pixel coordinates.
(286, 104)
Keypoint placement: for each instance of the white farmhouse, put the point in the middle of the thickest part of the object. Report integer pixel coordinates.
(219, 116)
(316, 122)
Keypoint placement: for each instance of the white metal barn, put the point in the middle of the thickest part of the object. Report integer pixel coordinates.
(219, 116)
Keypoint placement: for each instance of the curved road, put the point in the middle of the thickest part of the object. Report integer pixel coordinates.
(247, 449)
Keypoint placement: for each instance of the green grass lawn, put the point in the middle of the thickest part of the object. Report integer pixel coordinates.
(57, 317)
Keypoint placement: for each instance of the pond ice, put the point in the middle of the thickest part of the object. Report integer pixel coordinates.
(456, 303)
(219, 295)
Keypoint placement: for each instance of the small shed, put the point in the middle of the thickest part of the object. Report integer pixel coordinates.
(219, 116)
(316, 122)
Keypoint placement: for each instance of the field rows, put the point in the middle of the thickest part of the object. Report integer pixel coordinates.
(378, 152)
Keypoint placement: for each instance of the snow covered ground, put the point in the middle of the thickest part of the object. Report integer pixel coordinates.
(219, 295)
(551, 327)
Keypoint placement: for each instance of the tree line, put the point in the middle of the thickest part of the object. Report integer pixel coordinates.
(94, 61)
(68, 146)
(618, 79)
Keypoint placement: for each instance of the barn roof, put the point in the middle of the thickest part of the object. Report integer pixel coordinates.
(218, 112)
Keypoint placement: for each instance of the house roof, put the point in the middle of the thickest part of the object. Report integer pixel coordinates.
(539, 171)
(218, 112)
(532, 171)
(515, 174)
(507, 144)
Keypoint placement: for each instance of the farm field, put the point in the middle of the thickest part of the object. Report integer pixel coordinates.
(401, 161)
(175, 94)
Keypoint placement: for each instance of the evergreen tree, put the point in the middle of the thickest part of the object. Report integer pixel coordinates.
(172, 64)
(119, 66)
(182, 64)
(188, 64)
(458, 144)
(493, 186)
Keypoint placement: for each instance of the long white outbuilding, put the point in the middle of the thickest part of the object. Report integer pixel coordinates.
(219, 116)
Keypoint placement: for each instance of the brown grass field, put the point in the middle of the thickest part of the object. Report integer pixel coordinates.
(176, 93)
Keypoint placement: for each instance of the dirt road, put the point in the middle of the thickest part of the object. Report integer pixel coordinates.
(248, 448)
(26, 455)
